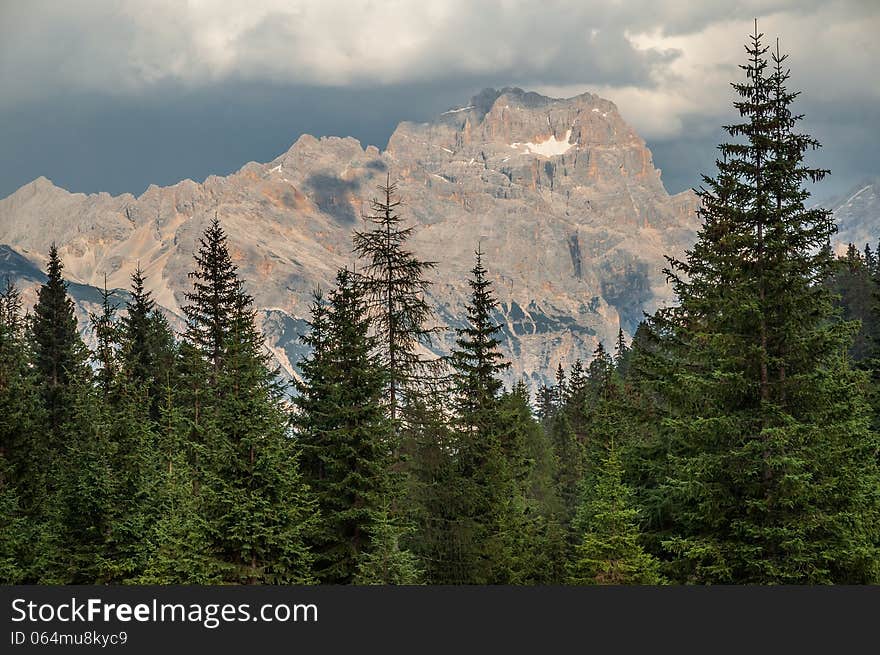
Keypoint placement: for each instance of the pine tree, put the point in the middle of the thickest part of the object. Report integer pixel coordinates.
(870, 259)
(545, 409)
(577, 383)
(202, 351)
(258, 509)
(255, 508)
(386, 562)
(608, 551)
(621, 354)
(772, 473)
(483, 486)
(20, 481)
(560, 391)
(476, 360)
(345, 437)
(11, 320)
(147, 347)
(135, 329)
(58, 351)
(105, 330)
(179, 547)
(600, 373)
(211, 303)
(394, 283)
(74, 502)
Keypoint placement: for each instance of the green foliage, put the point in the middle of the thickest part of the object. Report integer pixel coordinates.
(255, 505)
(476, 360)
(569, 464)
(83, 506)
(854, 282)
(178, 544)
(608, 551)
(104, 327)
(13, 529)
(532, 532)
(211, 302)
(22, 445)
(59, 355)
(394, 284)
(481, 485)
(766, 461)
(386, 562)
(147, 349)
(343, 432)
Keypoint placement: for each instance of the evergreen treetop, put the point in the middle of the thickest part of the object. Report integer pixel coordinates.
(394, 282)
(211, 302)
(477, 360)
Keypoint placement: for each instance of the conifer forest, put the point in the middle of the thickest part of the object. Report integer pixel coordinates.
(733, 440)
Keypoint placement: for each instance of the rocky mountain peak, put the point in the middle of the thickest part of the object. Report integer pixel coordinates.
(857, 213)
(561, 194)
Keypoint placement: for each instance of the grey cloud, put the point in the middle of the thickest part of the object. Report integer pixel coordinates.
(199, 88)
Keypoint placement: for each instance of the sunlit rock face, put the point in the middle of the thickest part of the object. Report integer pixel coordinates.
(857, 214)
(560, 194)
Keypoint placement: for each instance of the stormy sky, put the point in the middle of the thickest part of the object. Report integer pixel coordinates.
(115, 95)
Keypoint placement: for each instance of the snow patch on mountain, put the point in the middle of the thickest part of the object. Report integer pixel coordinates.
(552, 147)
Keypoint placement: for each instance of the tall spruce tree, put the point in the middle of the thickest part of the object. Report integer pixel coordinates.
(345, 436)
(483, 485)
(258, 509)
(621, 354)
(254, 507)
(59, 355)
(208, 312)
(394, 282)
(772, 473)
(560, 398)
(147, 348)
(577, 383)
(477, 360)
(211, 302)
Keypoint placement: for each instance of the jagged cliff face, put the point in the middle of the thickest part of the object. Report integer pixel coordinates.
(562, 196)
(857, 215)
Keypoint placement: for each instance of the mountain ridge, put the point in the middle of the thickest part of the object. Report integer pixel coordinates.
(561, 194)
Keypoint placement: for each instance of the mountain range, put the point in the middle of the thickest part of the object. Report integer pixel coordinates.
(561, 195)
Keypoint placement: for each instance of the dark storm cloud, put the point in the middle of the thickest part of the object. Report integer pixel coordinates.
(93, 142)
(115, 95)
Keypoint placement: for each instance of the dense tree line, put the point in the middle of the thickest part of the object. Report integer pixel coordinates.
(734, 440)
